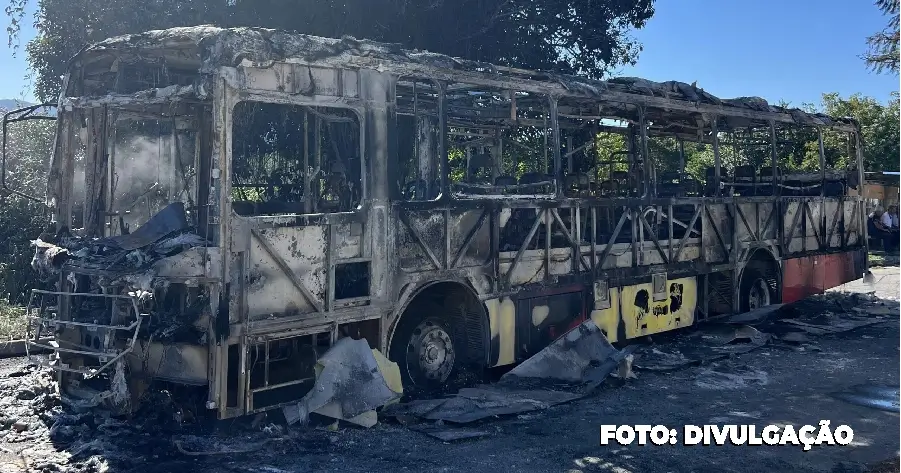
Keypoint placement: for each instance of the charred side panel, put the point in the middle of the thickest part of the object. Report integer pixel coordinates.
(746, 227)
(282, 265)
(716, 233)
(792, 220)
(833, 220)
(767, 225)
(813, 225)
(852, 223)
(421, 237)
(442, 239)
(542, 317)
(470, 237)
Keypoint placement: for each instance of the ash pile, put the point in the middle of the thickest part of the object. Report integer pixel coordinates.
(42, 433)
(170, 432)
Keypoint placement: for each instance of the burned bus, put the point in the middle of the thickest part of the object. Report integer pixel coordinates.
(229, 203)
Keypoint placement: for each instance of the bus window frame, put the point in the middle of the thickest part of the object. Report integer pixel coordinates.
(359, 111)
(553, 141)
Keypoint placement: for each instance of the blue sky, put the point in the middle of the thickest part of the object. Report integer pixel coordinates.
(776, 49)
(13, 83)
(788, 49)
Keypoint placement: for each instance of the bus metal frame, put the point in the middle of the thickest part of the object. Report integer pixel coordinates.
(511, 302)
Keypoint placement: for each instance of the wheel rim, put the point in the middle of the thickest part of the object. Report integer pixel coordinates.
(430, 354)
(758, 295)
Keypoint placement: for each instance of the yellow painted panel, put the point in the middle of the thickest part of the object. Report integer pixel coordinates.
(502, 322)
(539, 314)
(643, 316)
(391, 372)
(608, 319)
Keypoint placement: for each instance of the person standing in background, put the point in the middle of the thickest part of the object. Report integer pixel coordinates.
(879, 226)
(893, 215)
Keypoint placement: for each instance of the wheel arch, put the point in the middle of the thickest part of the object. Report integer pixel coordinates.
(764, 259)
(474, 320)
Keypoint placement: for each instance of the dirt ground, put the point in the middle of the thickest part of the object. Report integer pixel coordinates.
(777, 384)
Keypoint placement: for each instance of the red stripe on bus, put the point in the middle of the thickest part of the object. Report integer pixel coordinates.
(809, 275)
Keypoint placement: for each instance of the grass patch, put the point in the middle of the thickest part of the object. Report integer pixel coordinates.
(875, 260)
(880, 259)
(12, 321)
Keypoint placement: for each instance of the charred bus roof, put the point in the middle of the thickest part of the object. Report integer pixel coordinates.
(125, 65)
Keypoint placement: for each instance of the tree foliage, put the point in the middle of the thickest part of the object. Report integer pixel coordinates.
(569, 36)
(29, 146)
(879, 126)
(883, 46)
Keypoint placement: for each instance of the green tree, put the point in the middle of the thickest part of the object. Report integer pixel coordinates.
(798, 148)
(569, 36)
(883, 46)
(29, 145)
(879, 130)
(606, 144)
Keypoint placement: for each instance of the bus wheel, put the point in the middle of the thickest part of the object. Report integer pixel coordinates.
(755, 291)
(429, 353)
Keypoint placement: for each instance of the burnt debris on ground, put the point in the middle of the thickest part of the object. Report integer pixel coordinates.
(41, 433)
(570, 368)
(352, 381)
(794, 327)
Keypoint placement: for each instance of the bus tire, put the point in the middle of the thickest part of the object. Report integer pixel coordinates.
(427, 350)
(755, 292)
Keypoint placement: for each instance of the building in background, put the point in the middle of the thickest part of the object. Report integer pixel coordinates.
(880, 188)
